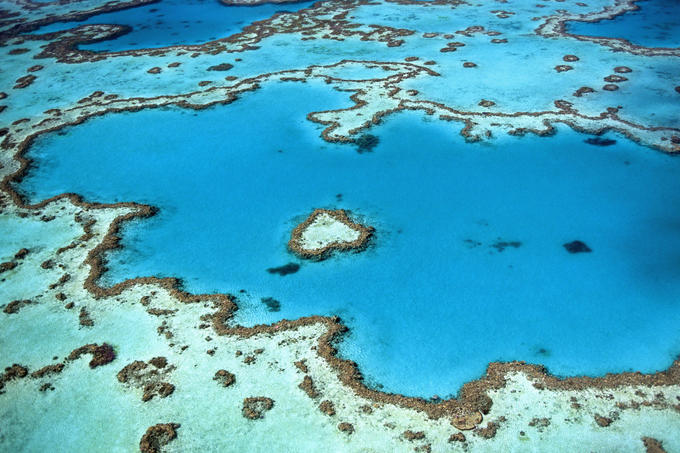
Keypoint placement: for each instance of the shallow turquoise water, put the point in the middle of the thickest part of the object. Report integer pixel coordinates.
(434, 299)
(655, 24)
(175, 22)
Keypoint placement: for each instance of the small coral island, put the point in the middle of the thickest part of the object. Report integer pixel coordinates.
(325, 231)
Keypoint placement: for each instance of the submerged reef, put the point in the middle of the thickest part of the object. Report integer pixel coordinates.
(326, 231)
(577, 247)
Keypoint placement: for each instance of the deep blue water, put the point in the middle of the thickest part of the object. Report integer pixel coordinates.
(174, 22)
(655, 24)
(436, 297)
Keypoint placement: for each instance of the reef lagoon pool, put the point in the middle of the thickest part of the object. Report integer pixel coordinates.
(656, 23)
(174, 22)
(468, 264)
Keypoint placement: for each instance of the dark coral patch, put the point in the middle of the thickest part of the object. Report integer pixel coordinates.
(11, 373)
(622, 69)
(84, 318)
(501, 245)
(366, 143)
(570, 58)
(597, 141)
(457, 437)
(221, 67)
(615, 78)
(610, 87)
(563, 68)
(224, 377)
(652, 445)
(307, 386)
(577, 247)
(346, 427)
(48, 370)
(272, 304)
(16, 305)
(151, 379)
(413, 435)
(489, 431)
(157, 436)
(284, 270)
(327, 407)
(255, 407)
(23, 82)
(7, 266)
(101, 355)
(603, 421)
(583, 90)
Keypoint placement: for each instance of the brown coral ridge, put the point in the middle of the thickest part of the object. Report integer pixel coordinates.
(603, 421)
(365, 233)
(84, 318)
(150, 377)
(255, 407)
(158, 436)
(48, 370)
(16, 305)
(11, 373)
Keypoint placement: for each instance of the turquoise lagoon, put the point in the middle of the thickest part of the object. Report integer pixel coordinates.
(655, 24)
(439, 293)
(175, 22)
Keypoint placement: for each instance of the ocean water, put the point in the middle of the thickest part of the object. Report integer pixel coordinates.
(175, 22)
(468, 264)
(655, 24)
